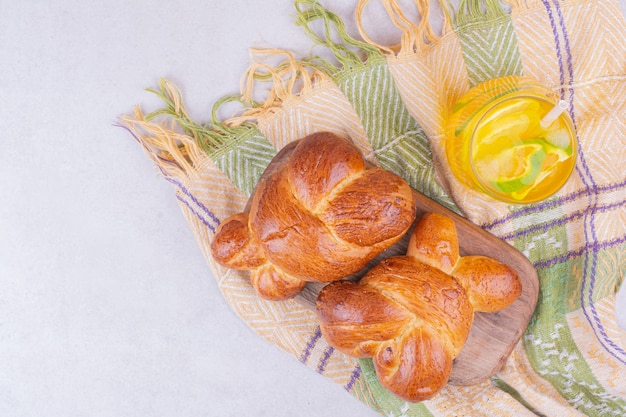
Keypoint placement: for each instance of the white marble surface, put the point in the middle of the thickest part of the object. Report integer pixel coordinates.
(107, 307)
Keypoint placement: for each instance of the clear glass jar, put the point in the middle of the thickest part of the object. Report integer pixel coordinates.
(511, 138)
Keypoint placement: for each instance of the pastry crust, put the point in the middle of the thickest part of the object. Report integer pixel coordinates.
(320, 217)
(412, 314)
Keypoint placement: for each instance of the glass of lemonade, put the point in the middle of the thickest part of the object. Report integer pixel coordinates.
(511, 138)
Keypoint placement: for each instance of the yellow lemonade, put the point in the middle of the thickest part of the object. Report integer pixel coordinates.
(508, 138)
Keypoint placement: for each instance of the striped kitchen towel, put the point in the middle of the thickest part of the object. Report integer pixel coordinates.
(392, 100)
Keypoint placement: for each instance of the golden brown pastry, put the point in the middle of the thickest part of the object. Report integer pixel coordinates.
(412, 314)
(320, 217)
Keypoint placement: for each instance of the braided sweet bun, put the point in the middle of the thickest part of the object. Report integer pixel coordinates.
(320, 217)
(412, 314)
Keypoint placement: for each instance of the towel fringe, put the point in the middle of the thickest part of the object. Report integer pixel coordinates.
(278, 83)
(173, 152)
(472, 11)
(350, 52)
(416, 36)
(175, 142)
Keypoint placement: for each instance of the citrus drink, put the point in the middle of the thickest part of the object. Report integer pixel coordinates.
(499, 140)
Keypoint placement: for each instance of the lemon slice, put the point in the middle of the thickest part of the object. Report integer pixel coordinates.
(514, 168)
(521, 194)
(554, 156)
(511, 127)
(557, 150)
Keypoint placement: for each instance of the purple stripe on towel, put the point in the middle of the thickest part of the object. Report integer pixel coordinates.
(590, 256)
(592, 307)
(150, 151)
(324, 359)
(557, 41)
(178, 184)
(355, 375)
(197, 202)
(195, 213)
(570, 73)
(549, 204)
(309, 347)
(579, 252)
(544, 227)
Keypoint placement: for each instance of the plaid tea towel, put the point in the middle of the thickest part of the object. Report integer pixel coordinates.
(393, 101)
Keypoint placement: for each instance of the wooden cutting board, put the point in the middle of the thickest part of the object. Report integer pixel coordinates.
(494, 335)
